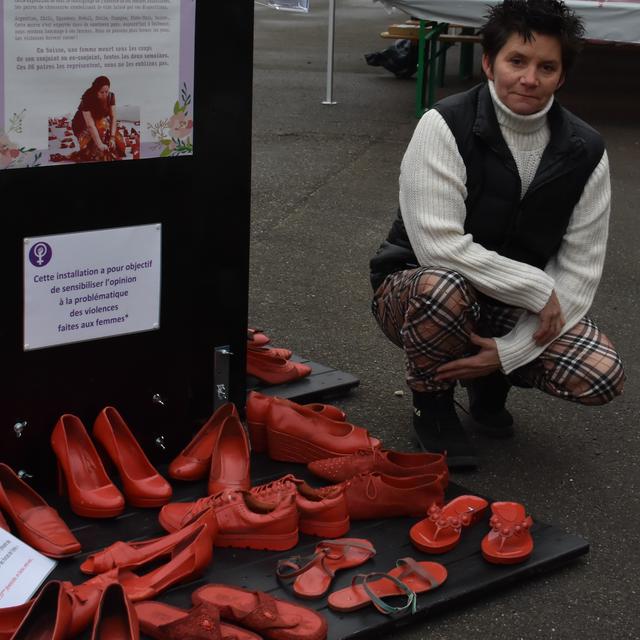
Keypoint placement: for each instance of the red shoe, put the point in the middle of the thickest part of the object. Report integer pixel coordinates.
(440, 531)
(116, 618)
(143, 486)
(132, 555)
(258, 410)
(164, 622)
(85, 599)
(91, 492)
(509, 540)
(193, 461)
(257, 337)
(298, 434)
(244, 521)
(230, 458)
(46, 616)
(274, 370)
(323, 512)
(3, 523)
(272, 352)
(36, 522)
(373, 495)
(391, 463)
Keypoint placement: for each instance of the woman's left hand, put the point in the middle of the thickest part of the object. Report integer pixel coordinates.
(112, 143)
(483, 363)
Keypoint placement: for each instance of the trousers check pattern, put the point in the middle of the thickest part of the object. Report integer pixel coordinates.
(429, 312)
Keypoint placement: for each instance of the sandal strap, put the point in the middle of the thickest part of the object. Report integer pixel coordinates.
(263, 616)
(201, 623)
(379, 603)
(411, 567)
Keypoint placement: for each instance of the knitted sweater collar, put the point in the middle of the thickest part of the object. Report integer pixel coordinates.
(516, 122)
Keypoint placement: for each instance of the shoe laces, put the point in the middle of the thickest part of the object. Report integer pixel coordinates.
(214, 500)
(369, 478)
(287, 482)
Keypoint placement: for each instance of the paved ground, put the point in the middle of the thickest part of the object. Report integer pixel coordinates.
(325, 189)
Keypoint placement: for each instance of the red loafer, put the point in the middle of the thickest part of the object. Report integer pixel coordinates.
(373, 495)
(298, 434)
(143, 486)
(391, 463)
(258, 412)
(36, 522)
(91, 492)
(274, 370)
(323, 512)
(116, 618)
(193, 461)
(244, 520)
(230, 458)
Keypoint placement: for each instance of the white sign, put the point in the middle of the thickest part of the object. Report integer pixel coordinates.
(95, 80)
(22, 570)
(93, 284)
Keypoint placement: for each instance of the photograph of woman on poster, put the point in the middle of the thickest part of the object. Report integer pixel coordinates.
(95, 125)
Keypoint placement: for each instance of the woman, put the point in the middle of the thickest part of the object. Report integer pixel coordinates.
(95, 125)
(498, 248)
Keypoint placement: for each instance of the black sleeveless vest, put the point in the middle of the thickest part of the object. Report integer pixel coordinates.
(528, 230)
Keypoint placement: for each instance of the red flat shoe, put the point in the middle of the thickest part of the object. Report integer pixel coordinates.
(374, 495)
(274, 370)
(244, 521)
(131, 555)
(509, 540)
(115, 618)
(37, 524)
(230, 459)
(441, 530)
(91, 492)
(271, 617)
(193, 461)
(313, 575)
(258, 411)
(143, 486)
(408, 578)
(46, 617)
(298, 434)
(391, 463)
(164, 622)
(323, 512)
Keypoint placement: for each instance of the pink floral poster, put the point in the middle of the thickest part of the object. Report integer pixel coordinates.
(110, 80)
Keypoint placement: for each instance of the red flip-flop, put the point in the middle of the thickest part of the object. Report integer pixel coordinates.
(408, 578)
(313, 575)
(509, 540)
(441, 530)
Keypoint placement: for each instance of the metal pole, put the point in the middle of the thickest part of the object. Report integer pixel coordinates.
(330, 49)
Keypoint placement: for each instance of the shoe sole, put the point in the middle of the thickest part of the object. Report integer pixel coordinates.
(325, 529)
(287, 448)
(260, 542)
(258, 436)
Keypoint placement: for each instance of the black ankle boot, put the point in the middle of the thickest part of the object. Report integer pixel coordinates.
(439, 429)
(487, 398)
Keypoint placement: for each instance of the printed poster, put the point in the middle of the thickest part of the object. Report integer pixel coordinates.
(95, 81)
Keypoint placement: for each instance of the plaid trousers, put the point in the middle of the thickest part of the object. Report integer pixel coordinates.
(430, 311)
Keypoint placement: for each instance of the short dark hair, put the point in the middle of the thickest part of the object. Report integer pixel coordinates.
(550, 17)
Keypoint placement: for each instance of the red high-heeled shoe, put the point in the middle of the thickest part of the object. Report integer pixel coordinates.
(91, 492)
(116, 618)
(143, 486)
(230, 459)
(192, 463)
(37, 523)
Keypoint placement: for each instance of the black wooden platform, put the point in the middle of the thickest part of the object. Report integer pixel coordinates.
(324, 383)
(470, 576)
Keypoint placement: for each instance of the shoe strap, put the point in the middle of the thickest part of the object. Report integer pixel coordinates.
(263, 616)
(411, 567)
(442, 522)
(379, 603)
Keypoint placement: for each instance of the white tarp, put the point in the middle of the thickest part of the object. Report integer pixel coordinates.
(617, 21)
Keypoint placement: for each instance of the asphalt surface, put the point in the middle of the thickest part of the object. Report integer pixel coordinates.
(324, 192)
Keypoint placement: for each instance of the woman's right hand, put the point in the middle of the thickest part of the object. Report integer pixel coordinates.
(103, 147)
(551, 321)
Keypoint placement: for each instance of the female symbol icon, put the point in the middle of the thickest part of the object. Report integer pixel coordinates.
(40, 254)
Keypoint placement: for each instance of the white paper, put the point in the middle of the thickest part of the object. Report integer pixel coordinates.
(22, 570)
(92, 284)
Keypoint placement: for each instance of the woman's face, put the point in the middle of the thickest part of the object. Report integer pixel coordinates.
(103, 92)
(526, 74)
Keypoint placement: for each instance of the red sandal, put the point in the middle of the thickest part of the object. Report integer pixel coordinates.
(313, 575)
(509, 540)
(440, 531)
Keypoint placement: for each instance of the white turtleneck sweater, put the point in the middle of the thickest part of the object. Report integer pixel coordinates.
(432, 201)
